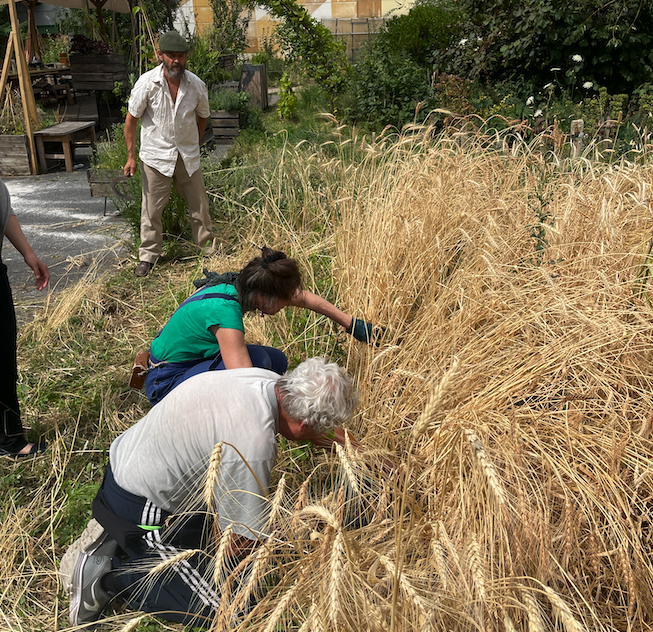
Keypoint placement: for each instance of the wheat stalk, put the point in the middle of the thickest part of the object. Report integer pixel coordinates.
(435, 400)
(212, 475)
(221, 555)
(487, 467)
(171, 561)
(561, 608)
(347, 466)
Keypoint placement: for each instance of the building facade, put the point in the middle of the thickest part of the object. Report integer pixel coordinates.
(350, 20)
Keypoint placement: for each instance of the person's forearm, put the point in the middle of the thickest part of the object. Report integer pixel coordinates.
(201, 126)
(317, 304)
(16, 236)
(130, 135)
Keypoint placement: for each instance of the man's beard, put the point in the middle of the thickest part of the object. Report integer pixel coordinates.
(174, 72)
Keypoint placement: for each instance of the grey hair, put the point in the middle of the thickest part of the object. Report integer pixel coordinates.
(318, 392)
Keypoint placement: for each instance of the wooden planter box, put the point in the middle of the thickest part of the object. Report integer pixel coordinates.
(225, 126)
(227, 62)
(97, 72)
(14, 155)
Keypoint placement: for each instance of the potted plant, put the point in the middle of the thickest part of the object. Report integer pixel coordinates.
(226, 106)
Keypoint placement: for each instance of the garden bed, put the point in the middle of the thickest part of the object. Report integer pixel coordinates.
(14, 155)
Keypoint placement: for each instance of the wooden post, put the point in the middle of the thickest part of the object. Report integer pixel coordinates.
(27, 95)
(5, 68)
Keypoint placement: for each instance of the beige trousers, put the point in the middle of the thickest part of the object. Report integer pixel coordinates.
(156, 193)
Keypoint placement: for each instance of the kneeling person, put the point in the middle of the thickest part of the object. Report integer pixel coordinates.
(151, 506)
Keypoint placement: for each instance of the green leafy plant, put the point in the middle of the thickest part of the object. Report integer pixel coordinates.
(610, 40)
(287, 106)
(229, 100)
(269, 56)
(387, 85)
(53, 47)
(230, 22)
(310, 46)
(204, 60)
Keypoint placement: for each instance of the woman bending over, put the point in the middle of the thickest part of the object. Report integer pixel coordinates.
(206, 333)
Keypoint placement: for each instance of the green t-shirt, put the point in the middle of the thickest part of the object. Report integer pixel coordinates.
(186, 335)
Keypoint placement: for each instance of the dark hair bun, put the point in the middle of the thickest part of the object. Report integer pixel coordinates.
(269, 256)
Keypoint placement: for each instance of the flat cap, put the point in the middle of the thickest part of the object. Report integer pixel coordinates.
(172, 42)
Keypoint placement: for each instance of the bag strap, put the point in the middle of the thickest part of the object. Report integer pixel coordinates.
(201, 297)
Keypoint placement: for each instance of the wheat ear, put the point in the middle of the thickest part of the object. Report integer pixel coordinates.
(476, 568)
(276, 502)
(535, 620)
(180, 557)
(223, 548)
(212, 475)
(281, 606)
(348, 467)
(337, 569)
(435, 400)
(487, 466)
(560, 607)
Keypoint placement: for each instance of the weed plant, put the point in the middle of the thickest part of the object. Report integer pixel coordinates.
(513, 391)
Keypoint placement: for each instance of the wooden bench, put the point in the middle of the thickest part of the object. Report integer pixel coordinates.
(66, 134)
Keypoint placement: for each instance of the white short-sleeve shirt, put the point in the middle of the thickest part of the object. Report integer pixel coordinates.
(165, 456)
(169, 128)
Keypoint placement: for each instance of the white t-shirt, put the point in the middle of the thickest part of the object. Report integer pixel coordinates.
(168, 128)
(165, 456)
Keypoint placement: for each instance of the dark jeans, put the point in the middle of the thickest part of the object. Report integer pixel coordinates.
(162, 379)
(12, 436)
(185, 592)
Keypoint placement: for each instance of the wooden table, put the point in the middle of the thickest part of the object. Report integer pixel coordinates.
(64, 133)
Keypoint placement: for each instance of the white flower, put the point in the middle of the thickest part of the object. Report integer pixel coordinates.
(587, 85)
(530, 100)
(463, 41)
(576, 58)
(556, 69)
(547, 86)
(538, 113)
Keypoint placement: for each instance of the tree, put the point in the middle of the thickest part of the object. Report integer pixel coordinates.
(310, 46)
(529, 37)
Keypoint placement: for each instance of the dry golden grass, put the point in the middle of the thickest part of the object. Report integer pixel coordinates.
(514, 390)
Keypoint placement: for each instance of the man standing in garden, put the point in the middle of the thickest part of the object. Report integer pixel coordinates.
(173, 106)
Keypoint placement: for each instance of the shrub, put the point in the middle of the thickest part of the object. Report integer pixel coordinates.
(427, 27)
(287, 106)
(386, 87)
(203, 60)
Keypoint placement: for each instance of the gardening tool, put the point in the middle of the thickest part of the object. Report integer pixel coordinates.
(114, 186)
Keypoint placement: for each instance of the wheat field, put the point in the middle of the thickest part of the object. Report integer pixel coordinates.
(513, 390)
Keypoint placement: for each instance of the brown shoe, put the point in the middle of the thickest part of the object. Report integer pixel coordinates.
(143, 269)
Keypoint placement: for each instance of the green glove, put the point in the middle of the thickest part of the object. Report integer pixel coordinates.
(365, 332)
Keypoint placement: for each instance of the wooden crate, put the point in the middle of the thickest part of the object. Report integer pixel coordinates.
(97, 72)
(14, 155)
(227, 62)
(225, 126)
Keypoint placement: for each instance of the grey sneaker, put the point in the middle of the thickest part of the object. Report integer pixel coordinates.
(94, 533)
(87, 597)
